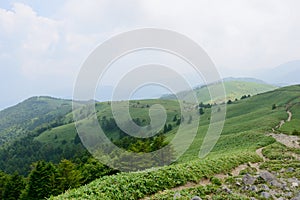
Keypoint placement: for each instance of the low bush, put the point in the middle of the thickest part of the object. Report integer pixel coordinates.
(138, 184)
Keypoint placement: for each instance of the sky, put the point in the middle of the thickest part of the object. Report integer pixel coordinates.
(43, 45)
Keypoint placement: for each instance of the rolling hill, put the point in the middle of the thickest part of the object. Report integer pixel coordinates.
(235, 88)
(17, 121)
(250, 114)
(247, 122)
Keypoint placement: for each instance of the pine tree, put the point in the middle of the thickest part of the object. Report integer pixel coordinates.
(93, 169)
(13, 187)
(42, 182)
(69, 176)
(3, 179)
(201, 111)
(175, 118)
(178, 122)
(165, 128)
(170, 127)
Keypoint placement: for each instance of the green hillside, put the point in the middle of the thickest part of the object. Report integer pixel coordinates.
(248, 115)
(138, 109)
(54, 138)
(246, 123)
(53, 141)
(234, 88)
(19, 120)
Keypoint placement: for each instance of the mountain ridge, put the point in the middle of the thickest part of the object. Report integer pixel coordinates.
(235, 88)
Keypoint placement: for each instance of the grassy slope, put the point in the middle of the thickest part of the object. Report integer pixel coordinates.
(16, 121)
(294, 107)
(138, 109)
(246, 122)
(234, 89)
(247, 118)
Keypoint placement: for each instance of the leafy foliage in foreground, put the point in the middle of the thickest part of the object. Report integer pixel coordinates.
(137, 185)
(207, 192)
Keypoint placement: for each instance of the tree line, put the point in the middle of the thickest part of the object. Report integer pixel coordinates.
(46, 179)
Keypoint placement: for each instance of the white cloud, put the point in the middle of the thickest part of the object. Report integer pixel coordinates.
(239, 35)
(34, 38)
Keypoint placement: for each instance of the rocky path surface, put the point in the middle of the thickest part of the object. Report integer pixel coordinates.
(288, 140)
(277, 184)
(290, 116)
(260, 182)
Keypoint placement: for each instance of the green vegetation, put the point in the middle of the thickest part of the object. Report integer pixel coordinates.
(292, 127)
(246, 122)
(17, 121)
(46, 179)
(53, 139)
(282, 157)
(234, 89)
(137, 185)
(207, 192)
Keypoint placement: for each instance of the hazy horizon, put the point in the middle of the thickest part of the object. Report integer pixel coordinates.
(42, 47)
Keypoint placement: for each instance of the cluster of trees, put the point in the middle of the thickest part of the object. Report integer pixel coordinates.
(202, 107)
(141, 145)
(167, 128)
(46, 179)
(27, 150)
(245, 96)
(178, 120)
(56, 169)
(43, 170)
(161, 153)
(108, 124)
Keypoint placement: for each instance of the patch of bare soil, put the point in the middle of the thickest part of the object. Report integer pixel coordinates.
(288, 140)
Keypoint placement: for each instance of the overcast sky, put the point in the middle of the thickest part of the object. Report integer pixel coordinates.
(42, 45)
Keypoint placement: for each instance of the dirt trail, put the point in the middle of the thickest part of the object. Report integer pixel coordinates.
(290, 116)
(288, 140)
(206, 181)
(280, 124)
(282, 121)
(259, 152)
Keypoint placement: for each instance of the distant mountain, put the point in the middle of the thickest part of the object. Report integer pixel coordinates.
(17, 121)
(244, 79)
(285, 74)
(234, 88)
(105, 93)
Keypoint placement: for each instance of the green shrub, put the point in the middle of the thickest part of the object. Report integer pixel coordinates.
(138, 184)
